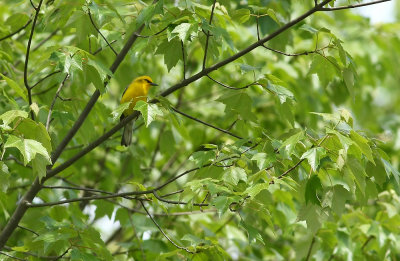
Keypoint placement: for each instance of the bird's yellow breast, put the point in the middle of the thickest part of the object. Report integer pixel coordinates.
(135, 92)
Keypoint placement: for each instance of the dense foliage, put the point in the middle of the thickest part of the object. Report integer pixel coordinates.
(274, 133)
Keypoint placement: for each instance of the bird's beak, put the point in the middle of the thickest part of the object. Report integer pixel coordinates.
(153, 84)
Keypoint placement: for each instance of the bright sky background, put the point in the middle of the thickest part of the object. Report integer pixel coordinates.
(379, 13)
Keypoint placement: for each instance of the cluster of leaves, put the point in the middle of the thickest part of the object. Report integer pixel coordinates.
(291, 155)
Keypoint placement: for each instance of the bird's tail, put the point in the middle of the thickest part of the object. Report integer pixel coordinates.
(127, 134)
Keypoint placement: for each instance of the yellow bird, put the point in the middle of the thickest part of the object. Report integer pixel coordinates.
(136, 91)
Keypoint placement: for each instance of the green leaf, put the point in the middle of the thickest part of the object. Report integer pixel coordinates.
(36, 131)
(349, 80)
(10, 116)
(252, 233)
(171, 53)
(362, 143)
(241, 15)
(28, 148)
(234, 174)
(345, 141)
(312, 215)
(20, 91)
(358, 172)
(313, 186)
(4, 176)
(195, 241)
(308, 28)
(324, 67)
(340, 196)
(239, 102)
(314, 156)
(290, 143)
(390, 169)
(148, 111)
(116, 114)
(182, 30)
(256, 189)
(202, 157)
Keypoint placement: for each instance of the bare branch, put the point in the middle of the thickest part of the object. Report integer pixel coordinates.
(97, 29)
(207, 124)
(208, 35)
(44, 91)
(28, 229)
(230, 87)
(17, 31)
(12, 257)
(310, 249)
(352, 6)
(155, 34)
(159, 228)
(33, 5)
(44, 78)
(54, 101)
(45, 40)
(28, 48)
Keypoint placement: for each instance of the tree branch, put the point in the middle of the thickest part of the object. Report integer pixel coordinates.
(28, 48)
(310, 249)
(98, 30)
(352, 6)
(44, 78)
(230, 87)
(207, 124)
(17, 31)
(165, 235)
(54, 101)
(208, 35)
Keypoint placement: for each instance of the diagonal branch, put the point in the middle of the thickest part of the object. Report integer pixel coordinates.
(17, 31)
(54, 101)
(98, 30)
(28, 48)
(205, 123)
(159, 228)
(230, 87)
(353, 6)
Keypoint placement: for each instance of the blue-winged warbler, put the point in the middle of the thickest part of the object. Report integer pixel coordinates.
(136, 91)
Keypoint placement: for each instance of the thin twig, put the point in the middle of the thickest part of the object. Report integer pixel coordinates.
(45, 39)
(233, 88)
(44, 78)
(208, 35)
(54, 101)
(33, 5)
(17, 31)
(98, 30)
(310, 248)
(28, 48)
(155, 34)
(207, 124)
(28, 229)
(352, 6)
(45, 90)
(162, 231)
(10, 256)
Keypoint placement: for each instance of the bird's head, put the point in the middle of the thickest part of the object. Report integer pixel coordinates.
(146, 81)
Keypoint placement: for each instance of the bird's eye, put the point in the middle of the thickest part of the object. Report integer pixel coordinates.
(147, 81)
